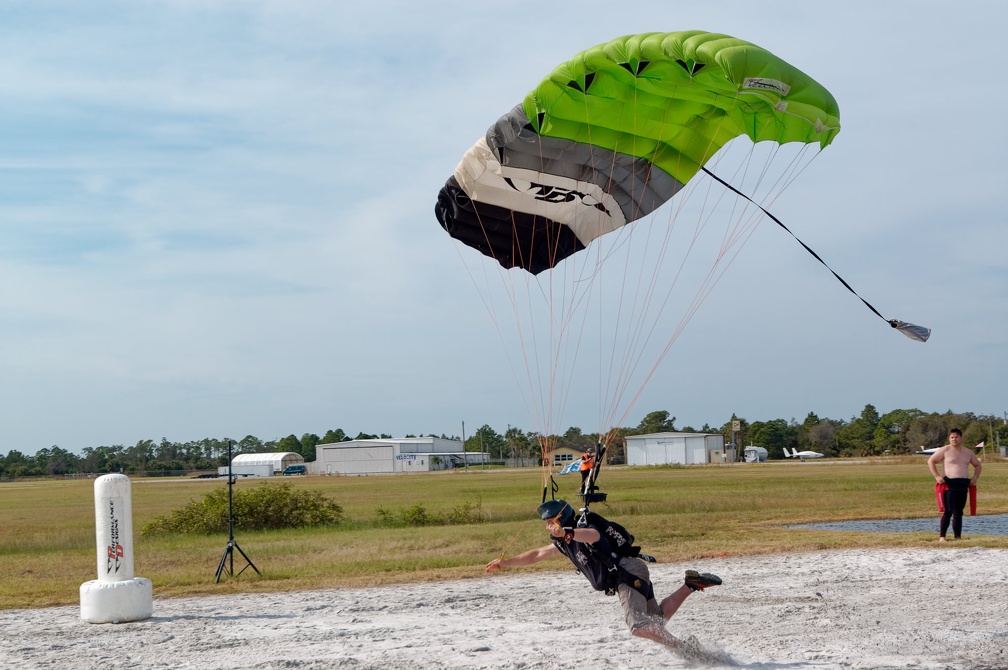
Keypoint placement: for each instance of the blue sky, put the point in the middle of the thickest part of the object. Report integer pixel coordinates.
(216, 219)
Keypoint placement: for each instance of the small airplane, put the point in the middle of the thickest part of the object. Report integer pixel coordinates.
(801, 454)
(928, 452)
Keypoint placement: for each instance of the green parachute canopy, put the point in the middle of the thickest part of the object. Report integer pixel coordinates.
(617, 131)
(566, 191)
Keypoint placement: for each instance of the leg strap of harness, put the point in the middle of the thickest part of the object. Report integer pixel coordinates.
(621, 575)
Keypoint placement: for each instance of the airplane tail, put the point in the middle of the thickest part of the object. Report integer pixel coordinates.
(786, 454)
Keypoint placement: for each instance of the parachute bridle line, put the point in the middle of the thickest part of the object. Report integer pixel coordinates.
(917, 333)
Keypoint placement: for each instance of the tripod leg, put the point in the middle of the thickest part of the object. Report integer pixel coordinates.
(249, 560)
(220, 568)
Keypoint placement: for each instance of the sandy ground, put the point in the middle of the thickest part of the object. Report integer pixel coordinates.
(917, 608)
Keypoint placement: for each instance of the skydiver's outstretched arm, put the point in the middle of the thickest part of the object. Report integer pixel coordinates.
(525, 558)
(588, 535)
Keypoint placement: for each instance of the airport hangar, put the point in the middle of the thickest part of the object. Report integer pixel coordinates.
(392, 455)
(677, 448)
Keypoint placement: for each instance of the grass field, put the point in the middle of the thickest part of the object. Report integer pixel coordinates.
(677, 513)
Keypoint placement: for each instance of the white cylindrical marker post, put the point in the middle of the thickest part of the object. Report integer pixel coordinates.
(116, 596)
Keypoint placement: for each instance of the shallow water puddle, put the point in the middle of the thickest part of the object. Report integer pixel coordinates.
(990, 524)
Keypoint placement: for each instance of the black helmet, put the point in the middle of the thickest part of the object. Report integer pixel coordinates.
(557, 509)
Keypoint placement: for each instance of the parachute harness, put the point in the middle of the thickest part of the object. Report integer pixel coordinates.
(604, 553)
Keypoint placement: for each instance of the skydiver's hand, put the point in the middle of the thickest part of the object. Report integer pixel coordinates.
(495, 564)
(554, 528)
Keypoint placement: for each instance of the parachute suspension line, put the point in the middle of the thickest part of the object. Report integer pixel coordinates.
(547, 444)
(510, 542)
(639, 309)
(644, 316)
(602, 387)
(734, 235)
(546, 389)
(549, 484)
(747, 221)
(634, 355)
(541, 391)
(567, 289)
(591, 279)
(612, 324)
(525, 341)
(593, 284)
(640, 336)
(529, 343)
(545, 396)
(918, 333)
(486, 297)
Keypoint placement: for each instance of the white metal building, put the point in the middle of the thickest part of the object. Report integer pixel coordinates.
(389, 456)
(675, 448)
(261, 465)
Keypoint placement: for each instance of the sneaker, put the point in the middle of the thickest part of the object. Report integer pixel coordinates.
(698, 582)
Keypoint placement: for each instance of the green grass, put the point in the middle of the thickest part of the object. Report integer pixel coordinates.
(677, 514)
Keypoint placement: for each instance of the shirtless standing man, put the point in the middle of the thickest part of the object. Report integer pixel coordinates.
(955, 460)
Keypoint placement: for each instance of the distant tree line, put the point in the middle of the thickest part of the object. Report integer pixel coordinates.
(902, 431)
(164, 457)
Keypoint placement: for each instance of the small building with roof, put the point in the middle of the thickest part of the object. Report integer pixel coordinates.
(261, 464)
(391, 456)
(677, 449)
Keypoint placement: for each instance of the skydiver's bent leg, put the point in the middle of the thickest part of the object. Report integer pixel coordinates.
(645, 617)
(640, 609)
(694, 581)
(671, 604)
(656, 632)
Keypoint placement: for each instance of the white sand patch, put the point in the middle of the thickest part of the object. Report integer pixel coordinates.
(846, 609)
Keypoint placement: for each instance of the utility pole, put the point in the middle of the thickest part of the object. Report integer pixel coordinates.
(507, 436)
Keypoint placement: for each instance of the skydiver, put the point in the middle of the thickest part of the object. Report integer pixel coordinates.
(584, 546)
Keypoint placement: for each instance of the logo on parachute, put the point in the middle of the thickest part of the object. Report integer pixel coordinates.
(765, 84)
(556, 194)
